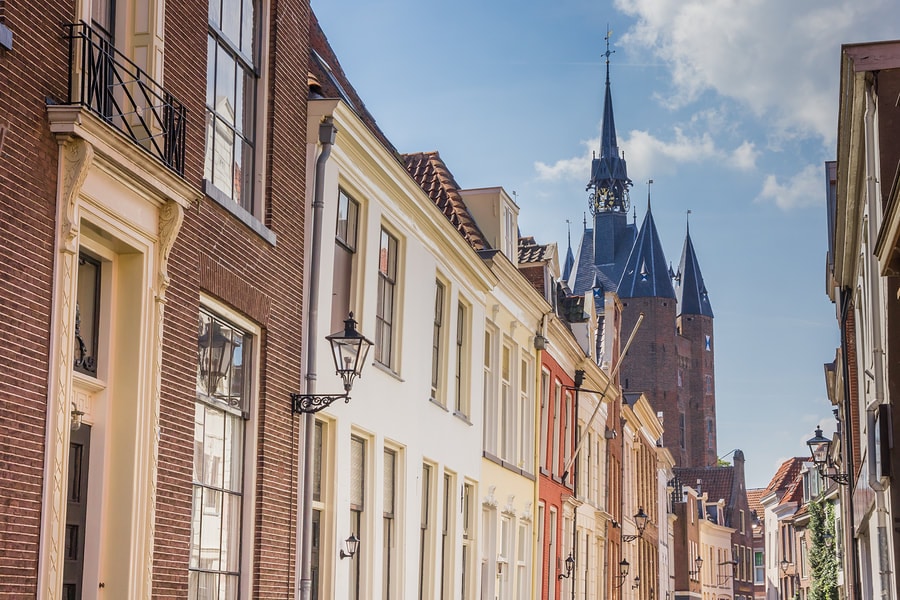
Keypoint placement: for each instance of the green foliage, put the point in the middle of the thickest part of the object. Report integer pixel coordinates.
(723, 463)
(822, 556)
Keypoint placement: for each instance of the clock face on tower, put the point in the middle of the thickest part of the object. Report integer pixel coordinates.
(604, 199)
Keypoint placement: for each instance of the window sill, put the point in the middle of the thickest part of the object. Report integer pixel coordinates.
(388, 370)
(462, 417)
(438, 404)
(239, 212)
(507, 465)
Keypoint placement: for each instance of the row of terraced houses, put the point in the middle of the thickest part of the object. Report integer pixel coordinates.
(166, 172)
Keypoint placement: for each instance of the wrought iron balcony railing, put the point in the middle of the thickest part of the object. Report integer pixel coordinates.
(105, 81)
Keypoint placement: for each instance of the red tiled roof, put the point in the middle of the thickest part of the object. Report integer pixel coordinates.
(532, 252)
(787, 474)
(753, 499)
(433, 176)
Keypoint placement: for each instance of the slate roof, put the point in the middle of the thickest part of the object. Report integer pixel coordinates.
(717, 482)
(532, 252)
(690, 291)
(328, 80)
(433, 176)
(609, 172)
(603, 277)
(646, 273)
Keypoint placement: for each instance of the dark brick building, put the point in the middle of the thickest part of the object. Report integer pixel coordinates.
(672, 358)
(152, 190)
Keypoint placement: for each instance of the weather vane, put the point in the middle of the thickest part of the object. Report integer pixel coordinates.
(608, 52)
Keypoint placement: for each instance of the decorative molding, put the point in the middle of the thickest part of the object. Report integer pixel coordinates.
(490, 500)
(510, 508)
(76, 158)
(171, 217)
(527, 514)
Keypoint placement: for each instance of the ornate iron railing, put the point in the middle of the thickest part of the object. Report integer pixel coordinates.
(121, 93)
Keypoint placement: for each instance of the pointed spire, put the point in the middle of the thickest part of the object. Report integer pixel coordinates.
(690, 290)
(570, 258)
(645, 274)
(609, 182)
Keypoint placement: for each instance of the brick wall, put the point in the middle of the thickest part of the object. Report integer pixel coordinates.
(34, 70)
(652, 363)
(218, 255)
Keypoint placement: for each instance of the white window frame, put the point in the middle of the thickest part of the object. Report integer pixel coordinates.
(386, 350)
(248, 503)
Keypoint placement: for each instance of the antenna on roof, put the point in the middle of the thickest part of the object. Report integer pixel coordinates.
(649, 184)
(687, 219)
(569, 231)
(585, 220)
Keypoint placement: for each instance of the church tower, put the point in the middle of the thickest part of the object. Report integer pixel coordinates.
(671, 359)
(696, 370)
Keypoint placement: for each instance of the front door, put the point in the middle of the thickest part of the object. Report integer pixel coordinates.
(76, 511)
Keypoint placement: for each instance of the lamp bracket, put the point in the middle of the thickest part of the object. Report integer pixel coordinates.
(629, 538)
(313, 403)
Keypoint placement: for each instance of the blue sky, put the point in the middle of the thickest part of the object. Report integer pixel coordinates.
(729, 106)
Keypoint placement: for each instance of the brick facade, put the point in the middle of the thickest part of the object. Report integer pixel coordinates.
(215, 254)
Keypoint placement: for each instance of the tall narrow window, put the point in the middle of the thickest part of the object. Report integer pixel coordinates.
(425, 533)
(554, 552)
(231, 78)
(557, 401)
(446, 561)
(526, 418)
(462, 395)
(87, 315)
(503, 557)
(220, 414)
(436, 341)
(468, 542)
(507, 424)
(357, 508)
(490, 397)
(569, 428)
(387, 551)
(345, 243)
(681, 429)
(541, 536)
(318, 507)
(522, 554)
(545, 414)
(385, 310)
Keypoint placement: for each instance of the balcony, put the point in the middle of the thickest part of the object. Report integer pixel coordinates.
(123, 95)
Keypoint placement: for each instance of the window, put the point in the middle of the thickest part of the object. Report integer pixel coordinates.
(554, 551)
(504, 558)
(545, 414)
(523, 551)
(231, 80)
(557, 401)
(345, 244)
(467, 578)
(385, 309)
(569, 429)
(319, 504)
(446, 561)
(462, 393)
(388, 527)
(490, 400)
(220, 414)
(681, 430)
(526, 417)
(357, 509)
(437, 341)
(507, 423)
(425, 532)
(542, 510)
(87, 315)
(709, 385)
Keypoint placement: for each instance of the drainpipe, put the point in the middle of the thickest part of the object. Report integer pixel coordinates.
(327, 134)
(872, 190)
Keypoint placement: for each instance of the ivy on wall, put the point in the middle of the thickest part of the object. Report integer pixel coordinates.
(823, 558)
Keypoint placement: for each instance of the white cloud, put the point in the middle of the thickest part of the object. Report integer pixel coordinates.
(779, 59)
(577, 168)
(744, 156)
(806, 188)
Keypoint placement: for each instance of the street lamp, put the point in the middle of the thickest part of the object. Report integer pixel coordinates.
(637, 582)
(723, 578)
(623, 573)
(785, 565)
(349, 349)
(698, 564)
(352, 545)
(570, 565)
(820, 450)
(640, 520)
